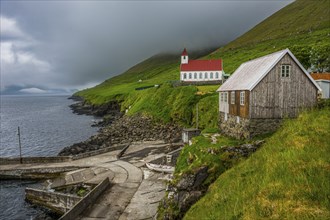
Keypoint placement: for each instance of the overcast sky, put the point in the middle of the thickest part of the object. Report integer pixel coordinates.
(54, 46)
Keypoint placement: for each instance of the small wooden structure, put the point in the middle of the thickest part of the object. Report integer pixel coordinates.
(323, 80)
(189, 133)
(262, 92)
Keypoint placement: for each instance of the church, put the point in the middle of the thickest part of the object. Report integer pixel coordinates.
(200, 71)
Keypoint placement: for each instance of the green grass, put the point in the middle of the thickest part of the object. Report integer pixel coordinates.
(198, 155)
(288, 178)
(300, 17)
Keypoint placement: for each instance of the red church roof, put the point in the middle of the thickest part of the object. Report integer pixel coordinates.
(202, 65)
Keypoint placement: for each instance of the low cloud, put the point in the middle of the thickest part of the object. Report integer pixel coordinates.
(70, 45)
(33, 91)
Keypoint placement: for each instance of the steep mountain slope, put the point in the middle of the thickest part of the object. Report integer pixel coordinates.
(300, 17)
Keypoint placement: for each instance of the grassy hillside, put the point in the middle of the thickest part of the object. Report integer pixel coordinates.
(303, 27)
(300, 17)
(288, 178)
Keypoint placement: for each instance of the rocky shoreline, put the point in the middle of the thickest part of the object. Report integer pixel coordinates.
(117, 128)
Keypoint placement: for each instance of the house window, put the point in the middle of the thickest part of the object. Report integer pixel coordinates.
(221, 96)
(217, 75)
(185, 76)
(189, 75)
(242, 98)
(195, 76)
(232, 97)
(200, 75)
(205, 76)
(225, 97)
(285, 71)
(211, 75)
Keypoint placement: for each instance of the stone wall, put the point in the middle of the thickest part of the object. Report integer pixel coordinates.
(246, 128)
(89, 199)
(16, 160)
(57, 202)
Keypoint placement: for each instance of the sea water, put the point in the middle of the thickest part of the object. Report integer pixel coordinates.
(47, 125)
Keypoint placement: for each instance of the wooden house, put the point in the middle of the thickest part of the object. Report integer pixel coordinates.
(263, 91)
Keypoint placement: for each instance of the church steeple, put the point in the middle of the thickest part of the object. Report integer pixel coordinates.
(184, 57)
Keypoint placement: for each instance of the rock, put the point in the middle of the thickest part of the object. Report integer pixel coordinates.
(200, 176)
(126, 130)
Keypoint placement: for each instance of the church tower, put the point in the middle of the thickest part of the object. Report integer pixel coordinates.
(184, 57)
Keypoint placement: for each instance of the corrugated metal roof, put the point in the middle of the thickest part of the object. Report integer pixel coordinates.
(202, 65)
(250, 73)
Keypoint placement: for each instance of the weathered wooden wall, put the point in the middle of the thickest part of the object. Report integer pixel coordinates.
(277, 97)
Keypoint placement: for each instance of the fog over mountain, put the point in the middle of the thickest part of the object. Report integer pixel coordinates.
(61, 46)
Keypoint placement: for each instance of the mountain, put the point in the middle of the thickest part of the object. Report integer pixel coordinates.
(303, 27)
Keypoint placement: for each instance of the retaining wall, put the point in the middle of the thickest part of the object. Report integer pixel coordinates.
(57, 159)
(90, 198)
(57, 202)
(16, 160)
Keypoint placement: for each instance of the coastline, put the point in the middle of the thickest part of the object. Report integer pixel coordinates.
(117, 128)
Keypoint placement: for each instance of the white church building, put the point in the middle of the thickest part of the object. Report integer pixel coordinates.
(200, 71)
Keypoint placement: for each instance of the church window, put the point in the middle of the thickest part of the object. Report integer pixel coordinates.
(211, 75)
(217, 75)
(205, 76)
(195, 76)
(200, 75)
(189, 75)
(185, 76)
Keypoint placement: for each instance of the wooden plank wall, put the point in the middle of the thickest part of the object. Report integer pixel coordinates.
(277, 97)
(237, 109)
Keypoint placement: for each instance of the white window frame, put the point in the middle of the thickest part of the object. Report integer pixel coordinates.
(190, 76)
(221, 96)
(225, 98)
(285, 70)
(217, 75)
(185, 76)
(242, 98)
(195, 75)
(232, 97)
(205, 76)
(211, 75)
(201, 75)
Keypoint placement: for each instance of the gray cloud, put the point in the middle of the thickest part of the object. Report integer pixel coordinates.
(75, 44)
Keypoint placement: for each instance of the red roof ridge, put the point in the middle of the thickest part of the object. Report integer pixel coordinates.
(317, 76)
